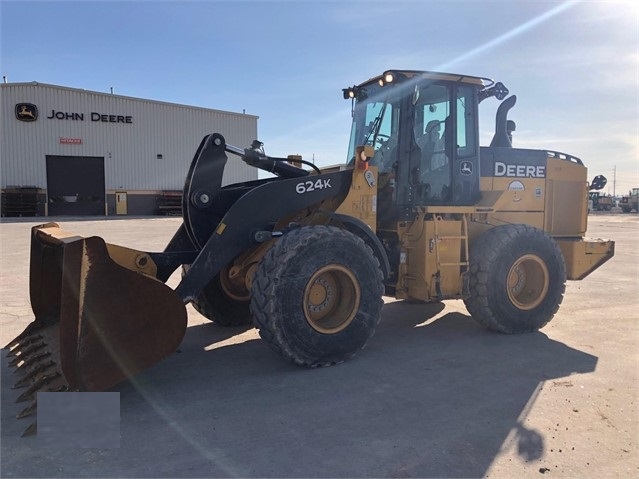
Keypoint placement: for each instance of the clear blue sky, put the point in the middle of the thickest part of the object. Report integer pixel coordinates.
(573, 65)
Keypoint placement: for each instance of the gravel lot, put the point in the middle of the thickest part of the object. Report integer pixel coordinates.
(433, 395)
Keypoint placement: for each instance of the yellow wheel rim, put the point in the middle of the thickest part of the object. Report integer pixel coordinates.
(528, 281)
(331, 299)
(234, 290)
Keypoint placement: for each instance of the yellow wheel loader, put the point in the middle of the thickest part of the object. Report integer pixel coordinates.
(630, 201)
(418, 211)
(596, 200)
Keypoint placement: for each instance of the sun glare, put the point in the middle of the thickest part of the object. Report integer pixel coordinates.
(518, 30)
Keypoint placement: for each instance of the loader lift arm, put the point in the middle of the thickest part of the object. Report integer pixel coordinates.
(220, 223)
(102, 312)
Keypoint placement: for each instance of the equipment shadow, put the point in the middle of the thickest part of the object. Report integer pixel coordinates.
(432, 395)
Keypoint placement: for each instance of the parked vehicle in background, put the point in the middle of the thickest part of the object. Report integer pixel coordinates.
(630, 202)
(597, 184)
(600, 202)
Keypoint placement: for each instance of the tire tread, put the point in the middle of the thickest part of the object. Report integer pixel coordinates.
(264, 305)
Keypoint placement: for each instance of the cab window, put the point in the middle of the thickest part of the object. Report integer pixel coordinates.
(465, 122)
(432, 135)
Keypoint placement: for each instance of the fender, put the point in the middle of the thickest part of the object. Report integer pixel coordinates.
(363, 231)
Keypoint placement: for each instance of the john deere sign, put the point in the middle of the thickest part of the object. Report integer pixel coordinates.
(29, 112)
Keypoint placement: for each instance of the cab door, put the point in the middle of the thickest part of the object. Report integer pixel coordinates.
(465, 165)
(445, 129)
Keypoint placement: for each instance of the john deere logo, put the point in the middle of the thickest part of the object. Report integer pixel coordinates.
(26, 112)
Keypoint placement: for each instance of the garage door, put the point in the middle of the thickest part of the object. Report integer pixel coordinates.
(75, 185)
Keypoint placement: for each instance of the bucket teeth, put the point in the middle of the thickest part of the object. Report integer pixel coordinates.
(29, 347)
(31, 430)
(19, 342)
(29, 410)
(32, 372)
(21, 366)
(37, 385)
(58, 389)
(24, 353)
(24, 346)
(33, 405)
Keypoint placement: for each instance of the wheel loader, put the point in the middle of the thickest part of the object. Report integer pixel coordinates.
(596, 200)
(630, 201)
(600, 202)
(419, 211)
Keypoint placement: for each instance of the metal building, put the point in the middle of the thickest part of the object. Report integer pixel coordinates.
(79, 152)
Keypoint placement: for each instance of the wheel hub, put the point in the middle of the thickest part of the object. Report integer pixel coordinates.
(234, 286)
(527, 282)
(321, 295)
(331, 299)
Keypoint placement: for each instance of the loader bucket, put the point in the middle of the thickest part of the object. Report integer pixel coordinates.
(100, 315)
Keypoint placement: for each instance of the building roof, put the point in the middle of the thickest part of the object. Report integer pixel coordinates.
(124, 97)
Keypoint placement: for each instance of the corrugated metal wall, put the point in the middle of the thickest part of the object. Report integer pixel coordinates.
(130, 150)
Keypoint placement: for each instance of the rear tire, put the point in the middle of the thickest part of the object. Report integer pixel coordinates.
(317, 295)
(517, 279)
(222, 305)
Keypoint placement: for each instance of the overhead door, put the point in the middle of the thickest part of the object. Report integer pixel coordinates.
(75, 185)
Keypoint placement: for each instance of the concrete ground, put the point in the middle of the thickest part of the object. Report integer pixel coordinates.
(432, 395)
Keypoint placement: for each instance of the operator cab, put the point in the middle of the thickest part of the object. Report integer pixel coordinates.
(424, 130)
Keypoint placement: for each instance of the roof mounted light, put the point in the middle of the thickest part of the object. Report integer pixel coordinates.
(349, 93)
(386, 78)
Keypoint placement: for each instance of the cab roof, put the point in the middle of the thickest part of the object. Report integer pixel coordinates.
(413, 74)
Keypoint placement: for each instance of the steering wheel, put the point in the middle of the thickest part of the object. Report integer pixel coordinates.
(382, 154)
(382, 138)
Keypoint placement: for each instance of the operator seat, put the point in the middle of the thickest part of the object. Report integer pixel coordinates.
(436, 170)
(428, 144)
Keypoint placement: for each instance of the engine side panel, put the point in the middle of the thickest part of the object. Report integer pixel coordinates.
(566, 199)
(536, 188)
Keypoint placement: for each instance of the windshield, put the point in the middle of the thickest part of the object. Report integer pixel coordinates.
(375, 123)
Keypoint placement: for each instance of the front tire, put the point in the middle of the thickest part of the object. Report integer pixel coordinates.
(517, 279)
(317, 295)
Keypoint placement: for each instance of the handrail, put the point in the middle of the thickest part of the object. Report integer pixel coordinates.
(564, 156)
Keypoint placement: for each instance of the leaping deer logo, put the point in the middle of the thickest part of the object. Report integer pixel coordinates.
(26, 112)
(466, 168)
